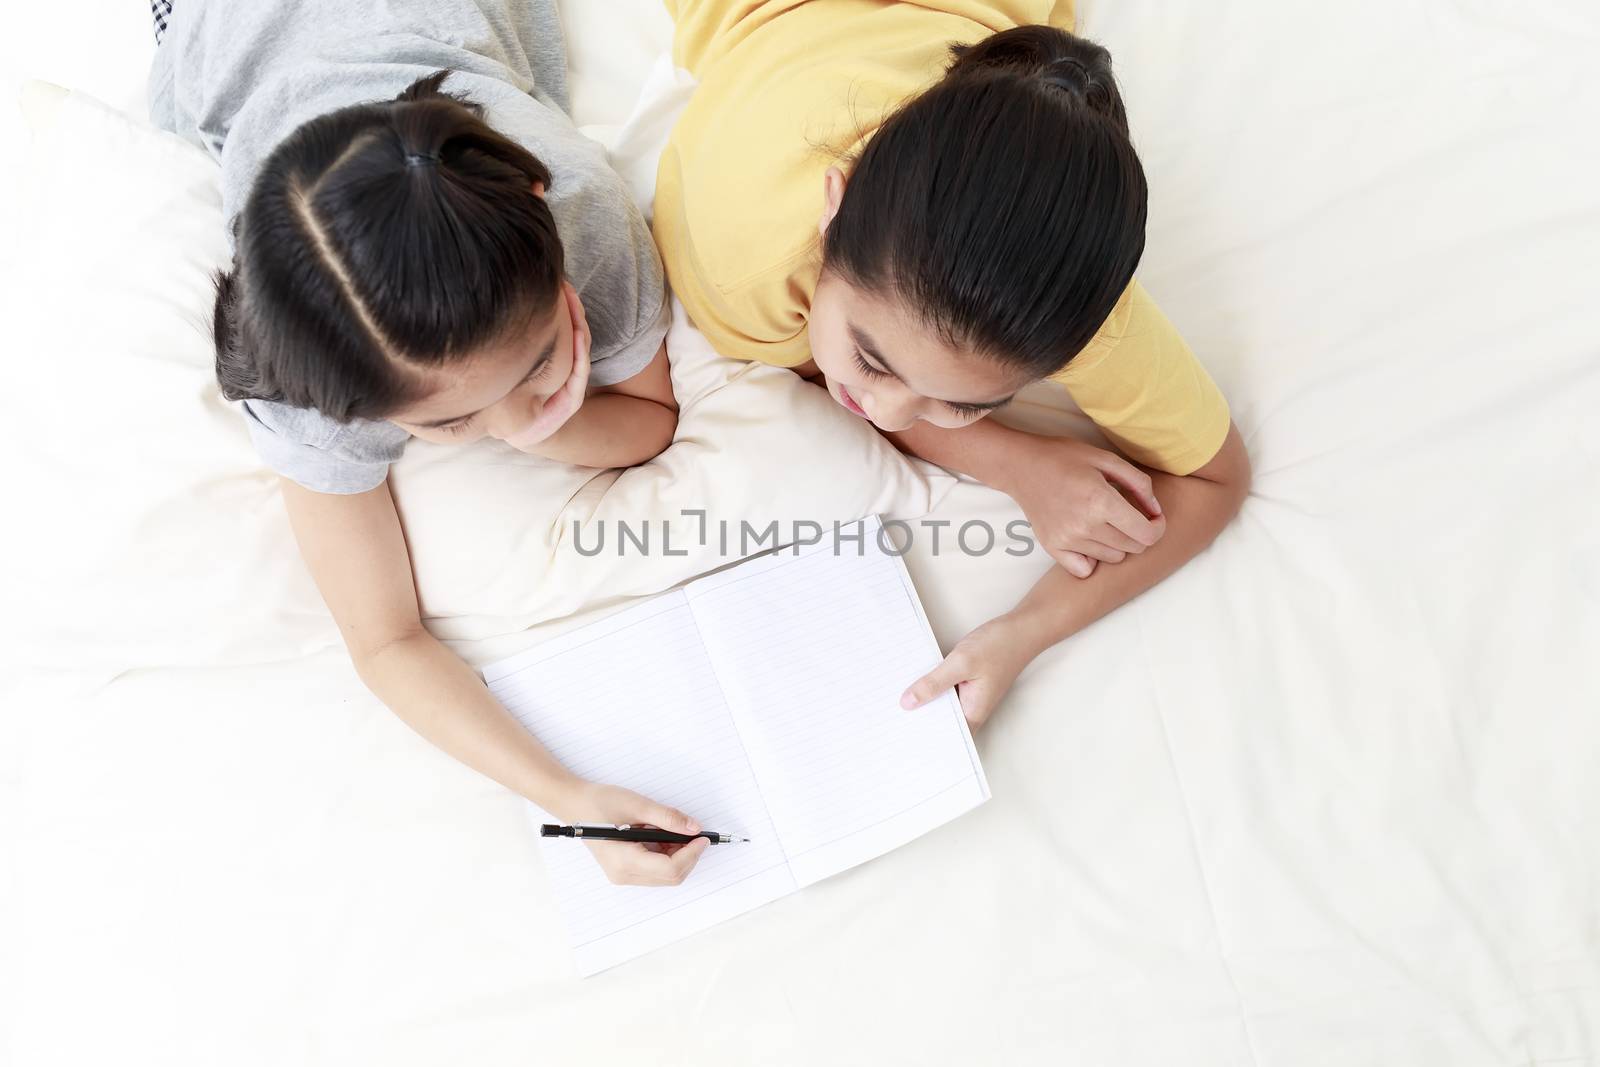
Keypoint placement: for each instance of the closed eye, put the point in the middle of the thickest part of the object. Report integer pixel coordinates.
(970, 411)
(460, 425)
(965, 411)
(540, 369)
(868, 369)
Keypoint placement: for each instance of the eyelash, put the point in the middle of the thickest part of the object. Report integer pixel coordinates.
(966, 411)
(866, 368)
(457, 428)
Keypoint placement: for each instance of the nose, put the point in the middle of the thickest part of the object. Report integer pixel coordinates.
(894, 412)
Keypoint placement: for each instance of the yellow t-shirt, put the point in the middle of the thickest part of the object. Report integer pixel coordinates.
(790, 87)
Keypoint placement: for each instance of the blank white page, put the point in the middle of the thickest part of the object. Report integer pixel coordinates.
(813, 651)
(632, 701)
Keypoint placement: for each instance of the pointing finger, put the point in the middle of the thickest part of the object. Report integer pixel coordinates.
(945, 676)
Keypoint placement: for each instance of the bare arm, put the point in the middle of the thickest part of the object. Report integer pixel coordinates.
(620, 425)
(1197, 506)
(1193, 509)
(358, 557)
(986, 450)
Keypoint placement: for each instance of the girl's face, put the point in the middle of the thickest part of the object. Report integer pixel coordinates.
(882, 363)
(502, 390)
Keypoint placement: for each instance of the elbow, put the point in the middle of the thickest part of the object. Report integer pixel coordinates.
(1227, 475)
(666, 431)
(1238, 485)
(1230, 467)
(654, 435)
(1230, 494)
(369, 653)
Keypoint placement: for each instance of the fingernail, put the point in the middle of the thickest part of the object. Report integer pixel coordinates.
(694, 827)
(908, 701)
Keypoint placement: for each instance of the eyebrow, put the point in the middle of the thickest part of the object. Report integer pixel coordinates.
(540, 360)
(864, 341)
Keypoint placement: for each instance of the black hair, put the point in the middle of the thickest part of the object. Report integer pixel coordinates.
(377, 241)
(1005, 206)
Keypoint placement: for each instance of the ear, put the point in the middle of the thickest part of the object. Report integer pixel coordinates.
(832, 193)
(538, 190)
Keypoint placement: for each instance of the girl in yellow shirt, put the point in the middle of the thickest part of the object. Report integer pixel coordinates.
(973, 228)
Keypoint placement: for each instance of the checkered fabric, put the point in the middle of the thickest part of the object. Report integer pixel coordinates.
(161, 11)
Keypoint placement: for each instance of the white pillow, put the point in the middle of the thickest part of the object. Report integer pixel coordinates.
(153, 534)
(149, 533)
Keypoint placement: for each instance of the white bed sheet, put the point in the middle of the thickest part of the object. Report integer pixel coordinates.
(1324, 797)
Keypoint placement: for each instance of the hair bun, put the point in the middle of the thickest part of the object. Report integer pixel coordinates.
(1069, 73)
(1046, 56)
(1073, 75)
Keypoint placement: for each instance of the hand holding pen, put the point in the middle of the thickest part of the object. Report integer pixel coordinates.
(639, 834)
(632, 861)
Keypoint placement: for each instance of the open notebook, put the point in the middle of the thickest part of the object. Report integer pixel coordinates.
(763, 700)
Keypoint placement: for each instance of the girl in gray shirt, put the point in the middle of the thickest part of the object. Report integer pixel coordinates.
(424, 245)
(403, 200)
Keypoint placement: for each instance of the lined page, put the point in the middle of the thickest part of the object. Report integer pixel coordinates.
(813, 651)
(632, 701)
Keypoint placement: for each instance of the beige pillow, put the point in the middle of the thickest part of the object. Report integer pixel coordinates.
(501, 540)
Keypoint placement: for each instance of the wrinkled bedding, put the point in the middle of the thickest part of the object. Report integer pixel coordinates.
(1324, 797)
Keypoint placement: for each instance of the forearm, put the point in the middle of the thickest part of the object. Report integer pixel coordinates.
(985, 450)
(441, 698)
(1061, 604)
(612, 430)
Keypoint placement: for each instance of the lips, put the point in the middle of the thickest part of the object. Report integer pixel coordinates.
(849, 403)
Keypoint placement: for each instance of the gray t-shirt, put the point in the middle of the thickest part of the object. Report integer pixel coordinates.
(238, 76)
